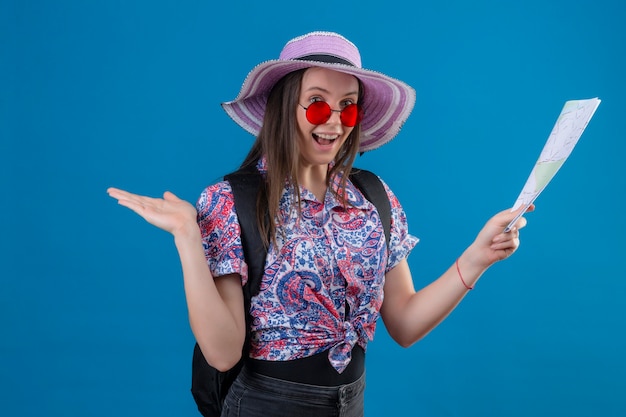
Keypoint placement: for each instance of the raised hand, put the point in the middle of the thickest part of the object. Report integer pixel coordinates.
(492, 244)
(169, 213)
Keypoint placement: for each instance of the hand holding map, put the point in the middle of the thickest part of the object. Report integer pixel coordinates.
(565, 134)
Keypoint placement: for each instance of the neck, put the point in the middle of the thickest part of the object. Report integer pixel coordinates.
(313, 178)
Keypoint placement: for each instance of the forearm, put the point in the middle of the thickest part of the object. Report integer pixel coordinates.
(219, 332)
(410, 315)
(432, 304)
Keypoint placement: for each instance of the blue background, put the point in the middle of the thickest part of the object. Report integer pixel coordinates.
(126, 93)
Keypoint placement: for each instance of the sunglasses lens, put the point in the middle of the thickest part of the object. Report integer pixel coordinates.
(318, 112)
(351, 115)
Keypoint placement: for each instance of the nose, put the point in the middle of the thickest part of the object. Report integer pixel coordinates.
(335, 117)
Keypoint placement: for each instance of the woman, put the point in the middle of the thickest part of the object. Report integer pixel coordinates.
(329, 273)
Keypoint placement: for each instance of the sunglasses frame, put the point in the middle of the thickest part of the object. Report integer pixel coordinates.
(359, 114)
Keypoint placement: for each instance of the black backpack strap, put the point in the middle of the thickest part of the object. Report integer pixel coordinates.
(246, 185)
(208, 385)
(374, 190)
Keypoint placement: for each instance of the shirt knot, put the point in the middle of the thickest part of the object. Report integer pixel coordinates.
(340, 355)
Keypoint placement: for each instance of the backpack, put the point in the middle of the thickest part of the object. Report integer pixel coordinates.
(208, 385)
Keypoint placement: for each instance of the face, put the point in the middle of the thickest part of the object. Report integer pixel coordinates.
(320, 143)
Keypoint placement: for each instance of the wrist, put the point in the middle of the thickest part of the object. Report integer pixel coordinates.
(469, 268)
(187, 233)
(474, 259)
(463, 281)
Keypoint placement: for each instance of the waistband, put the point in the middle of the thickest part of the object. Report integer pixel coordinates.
(311, 395)
(312, 370)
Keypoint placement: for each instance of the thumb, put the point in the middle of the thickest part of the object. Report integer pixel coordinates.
(515, 218)
(170, 196)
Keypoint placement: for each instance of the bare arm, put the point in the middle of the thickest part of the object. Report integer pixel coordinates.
(410, 315)
(215, 306)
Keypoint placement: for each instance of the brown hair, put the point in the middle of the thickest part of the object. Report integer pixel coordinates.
(277, 142)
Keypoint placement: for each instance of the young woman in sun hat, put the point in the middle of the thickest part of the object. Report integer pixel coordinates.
(329, 273)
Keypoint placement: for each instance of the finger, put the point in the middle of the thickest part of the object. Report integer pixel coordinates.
(136, 199)
(506, 236)
(137, 203)
(507, 216)
(170, 196)
(121, 194)
(514, 218)
(133, 205)
(506, 245)
(518, 212)
(523, 209)
(115, 192)
(520, 223)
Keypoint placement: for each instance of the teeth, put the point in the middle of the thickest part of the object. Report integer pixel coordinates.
(327, 137)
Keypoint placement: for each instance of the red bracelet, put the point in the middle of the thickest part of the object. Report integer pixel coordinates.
(461, 276)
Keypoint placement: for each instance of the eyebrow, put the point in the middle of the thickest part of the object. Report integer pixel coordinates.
(323, 90)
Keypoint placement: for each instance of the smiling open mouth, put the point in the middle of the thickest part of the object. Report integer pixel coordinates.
(324, 139)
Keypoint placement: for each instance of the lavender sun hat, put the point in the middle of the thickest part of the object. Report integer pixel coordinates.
(387, 102)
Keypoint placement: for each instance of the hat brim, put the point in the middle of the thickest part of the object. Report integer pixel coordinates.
(387, 102)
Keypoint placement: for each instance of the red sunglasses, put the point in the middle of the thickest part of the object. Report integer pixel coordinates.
(319, 112)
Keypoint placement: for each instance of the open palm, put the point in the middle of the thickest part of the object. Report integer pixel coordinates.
(169, 213)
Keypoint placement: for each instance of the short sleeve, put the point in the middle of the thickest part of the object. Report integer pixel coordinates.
(401, 242)
(221, 234)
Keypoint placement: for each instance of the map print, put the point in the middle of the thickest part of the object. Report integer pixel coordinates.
(568, 128)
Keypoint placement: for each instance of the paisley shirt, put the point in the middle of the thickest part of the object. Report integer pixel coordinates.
(323, 284)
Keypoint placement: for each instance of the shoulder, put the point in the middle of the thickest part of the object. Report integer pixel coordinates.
(218, 196)
(369, 182)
